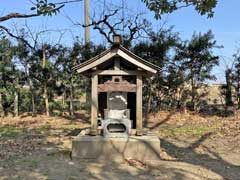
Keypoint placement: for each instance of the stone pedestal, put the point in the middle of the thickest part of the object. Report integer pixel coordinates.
(142, 148)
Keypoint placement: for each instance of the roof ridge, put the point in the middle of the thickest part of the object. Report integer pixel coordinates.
(138, 57)
(92, 59)
(124, 50)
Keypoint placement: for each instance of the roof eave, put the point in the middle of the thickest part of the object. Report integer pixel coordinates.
(116, 51)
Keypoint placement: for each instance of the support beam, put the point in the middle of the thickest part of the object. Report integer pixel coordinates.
(119, 72)
(116, 87)
(97, 61)
(139, 106)
(94, 105)
(136, 62)
(117, 64)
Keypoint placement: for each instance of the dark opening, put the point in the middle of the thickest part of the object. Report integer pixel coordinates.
(117, 80)
(116, 128)
(102, 102)
(132, 106)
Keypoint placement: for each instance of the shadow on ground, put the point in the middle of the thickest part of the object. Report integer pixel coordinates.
(209, 159)
(47, 159)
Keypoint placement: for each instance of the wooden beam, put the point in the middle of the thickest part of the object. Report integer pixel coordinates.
(118, 53)
(117, 64)
(115, 87)
(98, 61)
(94, 105)
(139, 106)
(119, 72)
(135, 62)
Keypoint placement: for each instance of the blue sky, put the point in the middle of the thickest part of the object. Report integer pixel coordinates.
(185, 21)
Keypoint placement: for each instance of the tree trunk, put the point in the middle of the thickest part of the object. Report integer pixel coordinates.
(193, 95)
(1, 106)
(45, 90)
(71, 112)
(33, 104)
(88, 91)
(149, 103)
(45, 95)
(238, 100)
(228, 98)
(30, 83)
(64, 98)
(238, 94)
(16, 103)
(63, 101)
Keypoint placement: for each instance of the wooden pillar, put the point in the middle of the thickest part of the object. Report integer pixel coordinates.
(139, 106)
(94, 105)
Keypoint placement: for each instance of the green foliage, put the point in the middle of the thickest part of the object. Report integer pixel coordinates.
(160, 7)
(197, 56)
(24, 100)
(7, 76)
(159, 50)
(186, 66)
(45, 8)
(234, 80)
(56, 108)
(226, 89)
(182, 63)
(197, 60)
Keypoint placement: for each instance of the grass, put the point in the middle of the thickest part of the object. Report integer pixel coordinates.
(70, 126)
(47, 129)
(186, 130)
(44, 129)
(10, 131)
(33, 164)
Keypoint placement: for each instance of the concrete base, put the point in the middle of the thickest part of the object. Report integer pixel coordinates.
(142, 148)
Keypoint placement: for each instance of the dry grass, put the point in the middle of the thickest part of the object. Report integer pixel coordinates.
(192, 147)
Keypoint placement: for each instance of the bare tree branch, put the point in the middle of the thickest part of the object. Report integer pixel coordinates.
(66, 2)
(107, 28)
(18, 15)
(105, 21)
(14, 15)
(16, 37)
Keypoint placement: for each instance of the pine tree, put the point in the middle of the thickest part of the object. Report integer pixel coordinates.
(197, 61)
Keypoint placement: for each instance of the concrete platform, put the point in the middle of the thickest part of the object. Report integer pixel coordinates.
(142, 148)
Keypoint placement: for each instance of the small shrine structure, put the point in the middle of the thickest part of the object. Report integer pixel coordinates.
(116, 107)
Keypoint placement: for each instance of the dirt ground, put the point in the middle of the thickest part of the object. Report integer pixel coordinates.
(192, 147)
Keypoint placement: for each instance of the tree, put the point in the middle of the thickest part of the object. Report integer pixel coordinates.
(107, 25)
(156, 51)
(228, 88)
(38, 60)
(7, 76)
(68, 79)
(236, 77)
(39, 8)
(25, 57)
(160, 7)
(39, 71)
(231, 83)
(197, 61)
(46, 57)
